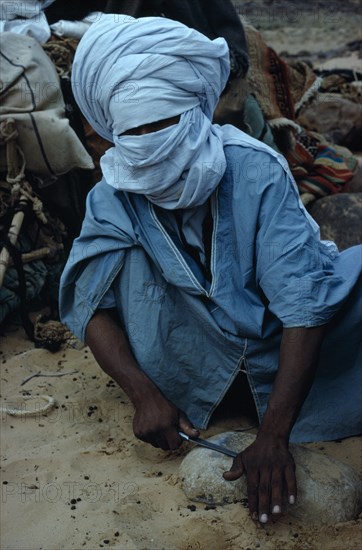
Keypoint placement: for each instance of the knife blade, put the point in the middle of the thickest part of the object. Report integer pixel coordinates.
(209, 445)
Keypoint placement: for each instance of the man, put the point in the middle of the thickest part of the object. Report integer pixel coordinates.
(196, 259)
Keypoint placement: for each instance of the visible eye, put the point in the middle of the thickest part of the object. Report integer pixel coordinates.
(152, 127)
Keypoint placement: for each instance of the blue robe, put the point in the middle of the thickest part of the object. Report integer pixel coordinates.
(269, 270)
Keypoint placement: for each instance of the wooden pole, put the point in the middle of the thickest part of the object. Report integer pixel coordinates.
(39, 254)
(14, 172)
(13, 234)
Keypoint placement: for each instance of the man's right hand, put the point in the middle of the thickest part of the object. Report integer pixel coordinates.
(158, 421)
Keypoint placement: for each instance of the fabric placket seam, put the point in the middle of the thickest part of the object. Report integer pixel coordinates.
(214, 274)
(178, 255)
(252, 387)
(230, 381)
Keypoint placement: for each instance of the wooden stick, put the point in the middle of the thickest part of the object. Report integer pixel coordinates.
(47, 374)
(14, 172)
(13, 234)
(37, 254)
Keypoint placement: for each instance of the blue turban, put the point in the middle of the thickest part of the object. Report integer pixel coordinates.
(130, 72)
(146, 70)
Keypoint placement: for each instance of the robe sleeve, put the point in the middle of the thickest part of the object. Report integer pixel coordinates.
(305, 280)
(96, 258)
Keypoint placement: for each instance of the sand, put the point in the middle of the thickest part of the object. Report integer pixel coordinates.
(77, 478)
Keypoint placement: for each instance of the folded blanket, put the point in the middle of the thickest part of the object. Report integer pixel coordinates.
(319, 168)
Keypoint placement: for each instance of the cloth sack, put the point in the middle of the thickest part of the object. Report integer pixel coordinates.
(30, 94)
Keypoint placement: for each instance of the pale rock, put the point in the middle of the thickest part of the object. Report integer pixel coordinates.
(339, 218)
(339, 119)
(328, 490)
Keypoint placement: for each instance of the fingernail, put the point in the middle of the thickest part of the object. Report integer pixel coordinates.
(276, 509)
(291, 499)
(263, 518)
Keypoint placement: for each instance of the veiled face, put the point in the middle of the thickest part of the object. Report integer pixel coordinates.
(152, 127)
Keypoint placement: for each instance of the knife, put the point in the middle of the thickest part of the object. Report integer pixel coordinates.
(209, 445)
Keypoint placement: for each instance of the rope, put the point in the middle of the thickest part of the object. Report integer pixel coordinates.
(24, 190)
(312, 91)
(61, 53)
(282, 122)
(20, 411)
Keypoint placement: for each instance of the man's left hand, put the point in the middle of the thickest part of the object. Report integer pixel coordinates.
(270, 474)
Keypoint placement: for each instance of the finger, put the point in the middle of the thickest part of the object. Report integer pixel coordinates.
(186, 426)
(161, 441)
(276, 491)
(173, 439)
(236, 470)
(264, 496)
(146, 438)
(252, 485)
(162, 444)
(154, 442)
(291, 483)
(152, 439)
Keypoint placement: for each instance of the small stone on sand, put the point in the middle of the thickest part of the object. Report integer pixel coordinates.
(329, 491)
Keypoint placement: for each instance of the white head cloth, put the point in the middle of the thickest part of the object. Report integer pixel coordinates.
(129, 72)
